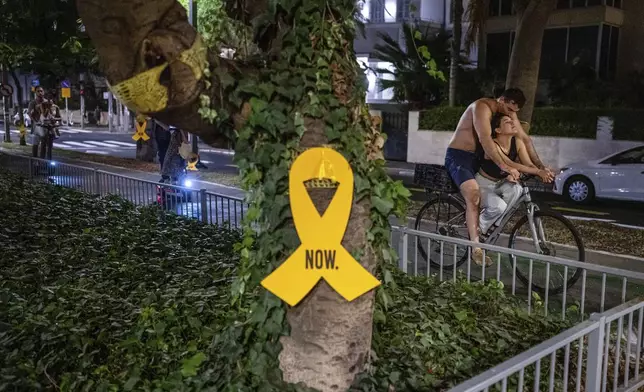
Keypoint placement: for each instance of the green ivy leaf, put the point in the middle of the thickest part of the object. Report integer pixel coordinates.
(383, 206)
(190, 366)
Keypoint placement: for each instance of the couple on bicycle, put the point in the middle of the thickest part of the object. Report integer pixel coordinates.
(484, 158)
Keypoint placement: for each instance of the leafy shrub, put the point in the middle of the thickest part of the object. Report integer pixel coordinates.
(98, 295)
(95, 293)
(437, 335)
(444, 118)
(547, 121)
(628, 124)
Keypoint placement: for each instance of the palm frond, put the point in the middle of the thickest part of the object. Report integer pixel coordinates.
(475, 16)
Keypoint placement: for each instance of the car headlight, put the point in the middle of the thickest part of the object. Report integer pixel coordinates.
(187, 183)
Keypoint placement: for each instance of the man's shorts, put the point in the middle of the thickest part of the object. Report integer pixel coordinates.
(461, 165)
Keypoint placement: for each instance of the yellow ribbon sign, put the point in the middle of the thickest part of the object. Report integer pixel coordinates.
(321, 254)
(192, 160)
(140, 132)
(145, 94)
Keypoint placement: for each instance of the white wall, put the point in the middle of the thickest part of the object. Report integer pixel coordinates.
(557, 152)
(433, 11)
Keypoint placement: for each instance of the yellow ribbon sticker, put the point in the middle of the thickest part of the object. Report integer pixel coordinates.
(192, 160)
(140, 132)
(321, 254)
(144, 94)
(21, 128)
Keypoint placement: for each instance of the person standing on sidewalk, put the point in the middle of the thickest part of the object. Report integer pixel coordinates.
(34, 111)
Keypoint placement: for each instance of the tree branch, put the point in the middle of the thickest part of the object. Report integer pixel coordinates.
(132, 36)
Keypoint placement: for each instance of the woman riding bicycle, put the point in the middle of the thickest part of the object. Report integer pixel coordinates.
(498, 189)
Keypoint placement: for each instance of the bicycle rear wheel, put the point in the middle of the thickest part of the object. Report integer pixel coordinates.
(441, 215)
(559, 238)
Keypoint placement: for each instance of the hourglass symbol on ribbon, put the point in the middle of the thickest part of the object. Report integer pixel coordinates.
(321, 254)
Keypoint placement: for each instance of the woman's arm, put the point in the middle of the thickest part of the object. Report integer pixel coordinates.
(524, 156)
(518, 166)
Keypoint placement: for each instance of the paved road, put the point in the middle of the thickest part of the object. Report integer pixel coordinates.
(621, 213)
(122, 145)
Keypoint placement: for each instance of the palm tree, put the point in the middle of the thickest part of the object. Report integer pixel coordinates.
(523, 68)
(455, 51)
(417, 72)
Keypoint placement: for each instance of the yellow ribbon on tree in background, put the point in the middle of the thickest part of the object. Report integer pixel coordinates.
(192, 161)
(140, 131)
(144, 93)
(321, 254)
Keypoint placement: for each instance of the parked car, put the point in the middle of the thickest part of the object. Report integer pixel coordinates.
(16, 118)
(617, 176)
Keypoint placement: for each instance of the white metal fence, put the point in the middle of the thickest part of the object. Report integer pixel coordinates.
(602, 353)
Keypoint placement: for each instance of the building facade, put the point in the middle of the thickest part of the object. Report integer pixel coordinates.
(597, 33)
(388, 16)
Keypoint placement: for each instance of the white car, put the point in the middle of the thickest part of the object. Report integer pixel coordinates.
(617, 176)
(16, 118)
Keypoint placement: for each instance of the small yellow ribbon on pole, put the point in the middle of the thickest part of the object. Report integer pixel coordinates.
(321, 254)
(140, 131)
(192, 161)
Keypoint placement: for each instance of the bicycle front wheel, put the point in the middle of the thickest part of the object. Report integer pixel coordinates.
(442, 215)
(557, 237)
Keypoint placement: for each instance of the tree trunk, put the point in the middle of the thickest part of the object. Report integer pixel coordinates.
(455, 58)
(330, 338)
(523, 70)
(21, 116)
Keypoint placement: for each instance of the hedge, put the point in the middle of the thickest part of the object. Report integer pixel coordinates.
(99, 295)
(547, 121)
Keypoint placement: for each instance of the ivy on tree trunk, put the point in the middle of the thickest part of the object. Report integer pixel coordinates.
(306, 91)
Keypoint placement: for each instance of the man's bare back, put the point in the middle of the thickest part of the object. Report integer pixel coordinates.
(465, 136)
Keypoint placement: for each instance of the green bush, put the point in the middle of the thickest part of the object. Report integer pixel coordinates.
(99, 295)
(628, 124)
(443, 118)
(560, 122)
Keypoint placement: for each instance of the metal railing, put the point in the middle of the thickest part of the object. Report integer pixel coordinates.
(209, 207)
(598, 287)
(591, 356)
(587, 357)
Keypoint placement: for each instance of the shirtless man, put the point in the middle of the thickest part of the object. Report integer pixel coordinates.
(472, 138)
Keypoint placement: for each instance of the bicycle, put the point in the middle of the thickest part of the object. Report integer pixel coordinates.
(441, 189)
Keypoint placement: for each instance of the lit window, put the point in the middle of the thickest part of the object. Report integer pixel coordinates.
(390, 10)
(365, 8)
(388, 93)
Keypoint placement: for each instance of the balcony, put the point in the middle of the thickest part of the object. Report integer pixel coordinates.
(592, 15)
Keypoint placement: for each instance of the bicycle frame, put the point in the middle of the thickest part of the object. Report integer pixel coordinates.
(524, 200)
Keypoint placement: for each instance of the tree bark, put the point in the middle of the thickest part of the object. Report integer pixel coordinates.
(21, 116)
(523, 70)
(132, 36)
(457, 33)
(330, 338)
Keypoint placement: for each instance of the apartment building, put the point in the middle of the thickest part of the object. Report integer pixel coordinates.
(591, 32)
(601, 33)
(388, 16)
